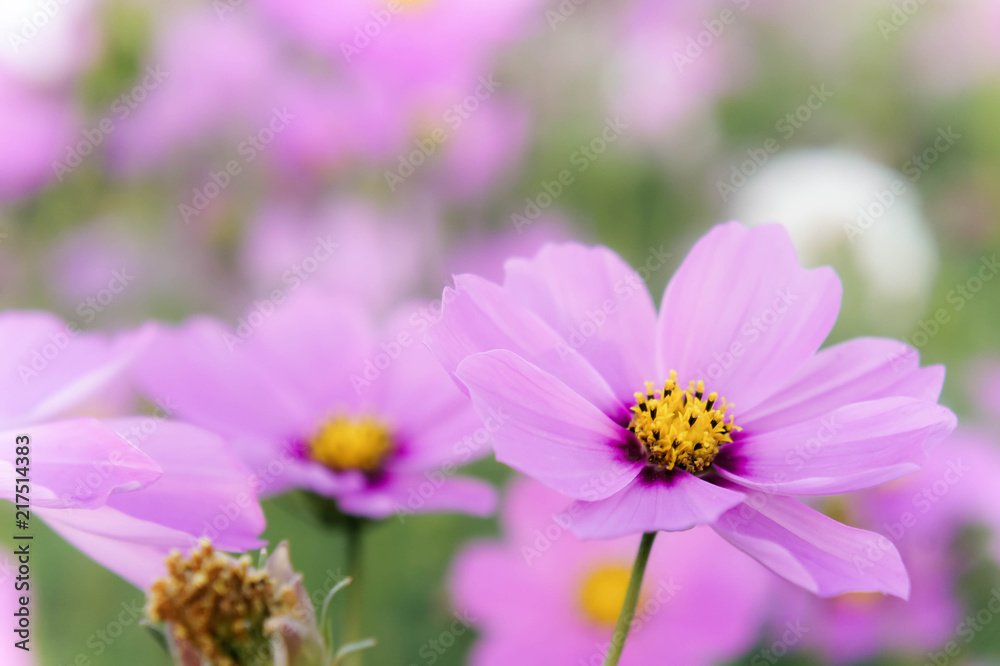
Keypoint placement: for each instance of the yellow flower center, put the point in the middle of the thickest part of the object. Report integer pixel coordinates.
(603, 593)
(681, 428)
(351, 444)
(216, 604)
(411, 4)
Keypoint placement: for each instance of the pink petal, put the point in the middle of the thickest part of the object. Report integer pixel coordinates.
(433, 493)
(649, 504)
(202, 372)
(133, 548)
(204, 491)
(600, 306)
(48, 368)
(851, 448)
(812, 550)
(743, 315)
(546, 430)
(479, 316)
(75, 463)
(854, 371)
(312, 330)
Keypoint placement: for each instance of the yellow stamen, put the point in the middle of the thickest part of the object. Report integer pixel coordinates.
(352, 444)
(603, 593)
(681, 428)
(216, 604)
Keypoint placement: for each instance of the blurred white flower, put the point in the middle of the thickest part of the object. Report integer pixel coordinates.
(46, 41)
(840, 206)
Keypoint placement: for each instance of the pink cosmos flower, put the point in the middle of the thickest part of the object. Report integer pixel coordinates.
(700, 602)
(125, 491)
(921, 514)
(332, 244)
(311, 398)
(716, 412)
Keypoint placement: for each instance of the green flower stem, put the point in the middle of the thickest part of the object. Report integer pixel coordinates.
(355, 605)
(631, 600)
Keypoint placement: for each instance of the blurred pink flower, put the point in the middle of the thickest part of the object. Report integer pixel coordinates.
(485, 252)
(213, 82)
(37, 125)
(572, 335)
(670, 67)
(986, 386)
(921, 515)
(349, 247)
(125, 491)
(312, 399)
(544, 597)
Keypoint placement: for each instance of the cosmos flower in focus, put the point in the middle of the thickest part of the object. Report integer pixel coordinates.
(126, 490)
(311, 398)
(718, 411)
(700, 601)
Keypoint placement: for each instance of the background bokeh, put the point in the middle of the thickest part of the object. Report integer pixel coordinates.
(159, 160)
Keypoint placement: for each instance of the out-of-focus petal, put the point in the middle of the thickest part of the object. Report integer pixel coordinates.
(812, 550)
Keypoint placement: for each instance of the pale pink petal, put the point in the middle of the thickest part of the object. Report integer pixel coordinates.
(851, 448)
(812, 550)
(75, 463)
(853, 371)
(743, 315)
(48, 367)
(480, 316)
(546, 430)
(598, 304)
(205, 490)
(654, 502)
(133, 548)
(205, 373)
(319, 345)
